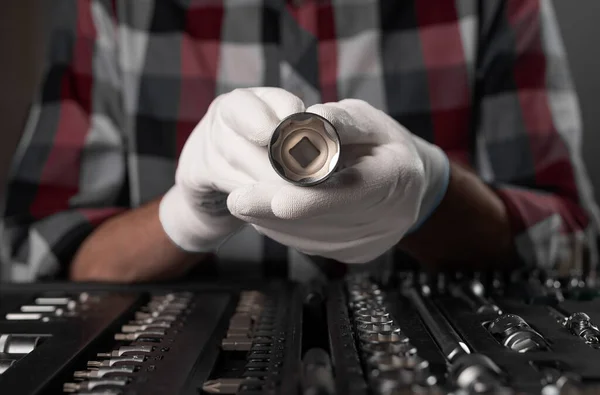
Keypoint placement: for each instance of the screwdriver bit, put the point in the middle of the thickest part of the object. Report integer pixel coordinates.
(151, 320)
(236, 344)
(140, 315)
(52, 301)
(103, 371)
(149, 334)
(143, 327)
(38, 309)
(125, 349)
(93, 384)
(116, 360)
(24, 316)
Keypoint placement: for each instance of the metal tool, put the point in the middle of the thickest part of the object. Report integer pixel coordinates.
(372, 313)
(161, 311)
(374, 320)
(317, 373)
(385, 362)
(53, 301)
(38, 309)
(514, 333)
(18, 344)
(372, 316)
(91, 385)
(143, 327)
(5, 364)
(389, 373)
(475, 373)
(141, 315)
(150, 321)
(579, 324)
(473, 293)
(152, 335)
(112, 361)
(25, 317)
(394, 337)
(366, 305)
(389, 348)
(236, 344)
(125, 349)
(222, 386)
(377, 327)
(304, 149)
(102, 371)
(565, 385)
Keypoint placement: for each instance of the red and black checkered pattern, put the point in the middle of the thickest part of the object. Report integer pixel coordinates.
(126, 82)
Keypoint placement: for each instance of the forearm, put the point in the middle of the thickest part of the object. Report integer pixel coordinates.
(131, 247)
(469, 230)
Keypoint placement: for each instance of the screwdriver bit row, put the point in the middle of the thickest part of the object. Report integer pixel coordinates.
(113, 370)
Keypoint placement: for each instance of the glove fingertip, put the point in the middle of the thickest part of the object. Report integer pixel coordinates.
(237, 201)
(252, 201)
(291, 204)
(284, 206)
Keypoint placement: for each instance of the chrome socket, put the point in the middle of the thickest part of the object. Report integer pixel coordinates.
(304, 149)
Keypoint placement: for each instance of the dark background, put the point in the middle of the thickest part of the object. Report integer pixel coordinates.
(22, 46)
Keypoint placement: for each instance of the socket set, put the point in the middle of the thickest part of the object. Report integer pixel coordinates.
(131, 340)
(501, 334)
(410, 333)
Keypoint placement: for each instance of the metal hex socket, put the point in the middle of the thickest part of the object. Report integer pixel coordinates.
(304, 149)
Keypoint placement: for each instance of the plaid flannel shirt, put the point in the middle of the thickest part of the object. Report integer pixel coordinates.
(126, 82)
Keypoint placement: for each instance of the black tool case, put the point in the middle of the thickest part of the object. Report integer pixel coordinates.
(363, 335)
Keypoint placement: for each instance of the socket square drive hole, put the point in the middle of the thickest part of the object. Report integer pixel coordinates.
(304, 152)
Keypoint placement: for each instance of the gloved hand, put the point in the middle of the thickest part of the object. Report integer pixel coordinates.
(389, 183)
(225, 151)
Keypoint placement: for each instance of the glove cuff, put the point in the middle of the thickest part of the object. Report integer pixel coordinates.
(188, 229)
(437, 171)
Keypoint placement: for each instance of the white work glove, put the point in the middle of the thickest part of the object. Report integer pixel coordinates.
(225, 151)
(389, 183)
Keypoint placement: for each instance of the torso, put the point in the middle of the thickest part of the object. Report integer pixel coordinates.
(388, 53)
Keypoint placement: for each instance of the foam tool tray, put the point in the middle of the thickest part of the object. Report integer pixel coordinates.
(192, 339)
(361, 335)
(467, 336)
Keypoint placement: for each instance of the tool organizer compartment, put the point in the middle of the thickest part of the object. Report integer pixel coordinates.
(413, 333)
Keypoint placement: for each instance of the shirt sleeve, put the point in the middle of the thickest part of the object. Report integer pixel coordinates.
(529, 136)
(68, 173)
